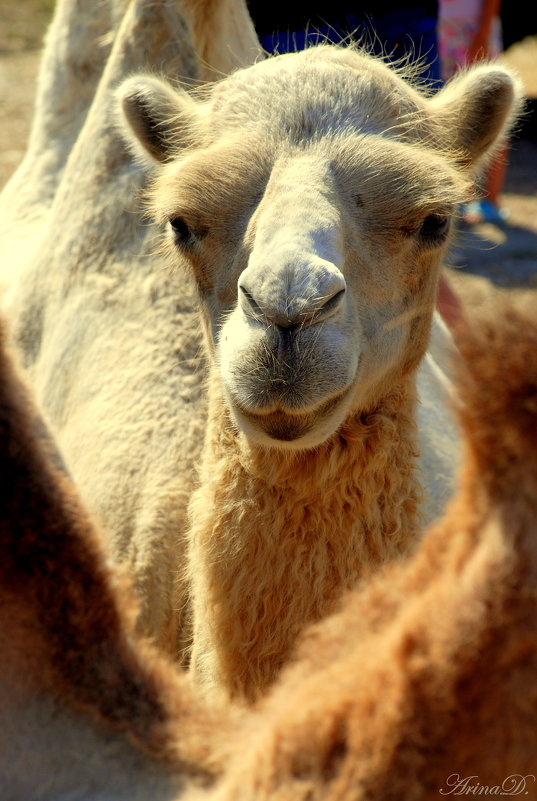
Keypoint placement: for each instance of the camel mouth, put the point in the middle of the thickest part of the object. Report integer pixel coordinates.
(281, 426)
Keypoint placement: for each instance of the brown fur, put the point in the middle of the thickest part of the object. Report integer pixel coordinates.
(431, 670)
(67, 626)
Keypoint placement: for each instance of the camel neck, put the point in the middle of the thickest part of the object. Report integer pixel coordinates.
(276, 539)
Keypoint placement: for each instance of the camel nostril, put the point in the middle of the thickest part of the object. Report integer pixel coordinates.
(332, 304)
(249, 303)
(290, 306)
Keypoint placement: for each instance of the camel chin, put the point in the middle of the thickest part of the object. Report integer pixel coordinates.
(288, 430)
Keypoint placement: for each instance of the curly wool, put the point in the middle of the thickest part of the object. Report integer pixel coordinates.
(277, 537)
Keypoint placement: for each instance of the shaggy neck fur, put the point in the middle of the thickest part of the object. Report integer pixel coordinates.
(277, 537)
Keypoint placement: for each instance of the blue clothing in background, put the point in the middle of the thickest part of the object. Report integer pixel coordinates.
(393, 32)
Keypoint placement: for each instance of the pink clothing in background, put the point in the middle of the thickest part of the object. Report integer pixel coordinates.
(458, 24)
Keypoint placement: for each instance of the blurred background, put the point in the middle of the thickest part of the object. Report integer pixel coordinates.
(485, 255)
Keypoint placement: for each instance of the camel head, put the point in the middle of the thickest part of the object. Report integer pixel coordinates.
(312, 196)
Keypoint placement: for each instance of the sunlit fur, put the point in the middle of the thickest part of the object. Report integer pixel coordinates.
(276, 538)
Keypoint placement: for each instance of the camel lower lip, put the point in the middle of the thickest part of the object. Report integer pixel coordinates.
(286, 430)
(286, 426)
(281, 426)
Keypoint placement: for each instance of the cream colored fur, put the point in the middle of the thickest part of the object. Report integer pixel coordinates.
(109, 338)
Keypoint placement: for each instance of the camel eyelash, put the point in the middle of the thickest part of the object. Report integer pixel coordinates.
(185, 236)
(434, 228)
(182, 233)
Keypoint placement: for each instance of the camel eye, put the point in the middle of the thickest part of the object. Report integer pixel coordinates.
(183, 234)
(434, 229)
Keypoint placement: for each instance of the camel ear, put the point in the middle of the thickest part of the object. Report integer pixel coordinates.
(476, 110)
(156, 120)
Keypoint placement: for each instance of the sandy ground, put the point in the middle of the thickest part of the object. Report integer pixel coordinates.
(484, 257)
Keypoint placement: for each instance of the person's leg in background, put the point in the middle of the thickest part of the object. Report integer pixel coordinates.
(470, 31)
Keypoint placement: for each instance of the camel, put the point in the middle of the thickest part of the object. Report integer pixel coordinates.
(109, 337)
(424, 680)
(95, 318)
(316, 247)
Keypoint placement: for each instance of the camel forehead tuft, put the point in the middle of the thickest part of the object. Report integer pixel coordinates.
(314, 92)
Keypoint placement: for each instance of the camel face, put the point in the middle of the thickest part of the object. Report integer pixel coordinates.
(313, 203)
(328, 300)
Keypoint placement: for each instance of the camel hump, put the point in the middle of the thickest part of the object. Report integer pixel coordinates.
(498, 389)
